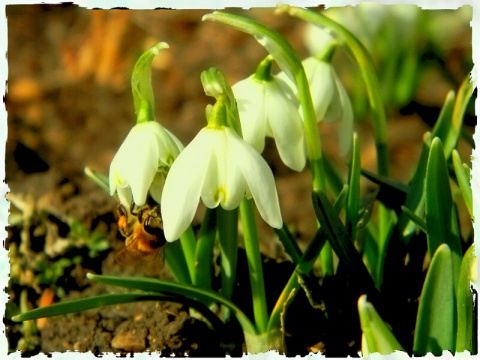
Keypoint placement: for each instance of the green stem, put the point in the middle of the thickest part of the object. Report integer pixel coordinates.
(228, 238)
(367, 68)
(189, 246)
(175, 259)
(204, 251)
(255, 269)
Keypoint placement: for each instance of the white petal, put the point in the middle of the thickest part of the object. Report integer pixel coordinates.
(260, 181)
(322, 85)
(183, 186)
(235, 184)
(286, 127)
(250, 96)
(346, 126)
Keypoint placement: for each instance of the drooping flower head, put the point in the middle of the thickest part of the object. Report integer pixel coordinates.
(220, 168)
(141, 163)
(330, 99)
(268, 107)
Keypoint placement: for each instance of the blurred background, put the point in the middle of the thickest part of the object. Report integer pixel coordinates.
(69, 104)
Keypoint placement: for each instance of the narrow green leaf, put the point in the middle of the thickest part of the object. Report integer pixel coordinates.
(99, 179)
(461, 103)
(353, 199)
(175, 289)
(416, 194)
(227, 222)
(175, 260)
(462, 173)
(416, 219)
(435, 329)
(289, 243)
(94, 302)
(465, 306)
(378, 336)
(204, 251)
(439, 212)
(338, 238)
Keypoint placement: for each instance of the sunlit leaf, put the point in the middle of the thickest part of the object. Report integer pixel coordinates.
(435, 329)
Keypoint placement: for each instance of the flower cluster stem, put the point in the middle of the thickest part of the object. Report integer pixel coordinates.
(369, 75)
(204, 250)
(189, 244)
(227, 221)
(255, 269)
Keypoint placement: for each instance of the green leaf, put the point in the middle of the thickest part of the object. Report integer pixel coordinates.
(435, 329)
(184, 291)
(94, 302)
(99, 179)
(227, 221)
(378, 336)
(353, 199)
(462, 173)
(466, 332)
(461, 103)
(416, 195)
(440, 215)
(343, 246)
(175, 260)
(204, 251)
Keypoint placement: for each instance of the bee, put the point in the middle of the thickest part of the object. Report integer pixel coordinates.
(144, 238)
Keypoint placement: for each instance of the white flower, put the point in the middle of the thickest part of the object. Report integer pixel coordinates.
(142, 162)
(269, 108)
(330, 99)
(220, 168)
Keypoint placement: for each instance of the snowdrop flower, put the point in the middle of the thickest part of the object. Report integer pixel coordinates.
(330, 99)
(220, 168)
(142, 162)
(268, 107)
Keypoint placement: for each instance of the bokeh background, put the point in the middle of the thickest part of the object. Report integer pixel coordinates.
(69, 102)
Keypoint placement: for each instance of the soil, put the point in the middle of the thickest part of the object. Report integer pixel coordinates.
(69, 106)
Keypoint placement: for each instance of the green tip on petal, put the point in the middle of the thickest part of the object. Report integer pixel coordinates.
(263, 72)
(218, 115)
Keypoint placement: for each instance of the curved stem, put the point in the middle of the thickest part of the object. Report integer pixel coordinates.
(369, 75)
(288, 61)
(255, 269)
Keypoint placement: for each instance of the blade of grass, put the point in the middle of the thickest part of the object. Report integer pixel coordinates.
(342, 244)
(94, 302)
(378, 336)
(435, 329)
(353, 199)
(204, 251)
(179, 290)
(465, 303)
(439, 212)
(462, 173)
(175, 260)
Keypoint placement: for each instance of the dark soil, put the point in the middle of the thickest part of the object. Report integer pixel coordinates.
(69, 106)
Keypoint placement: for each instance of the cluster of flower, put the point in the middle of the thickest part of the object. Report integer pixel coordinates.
(220, 166)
